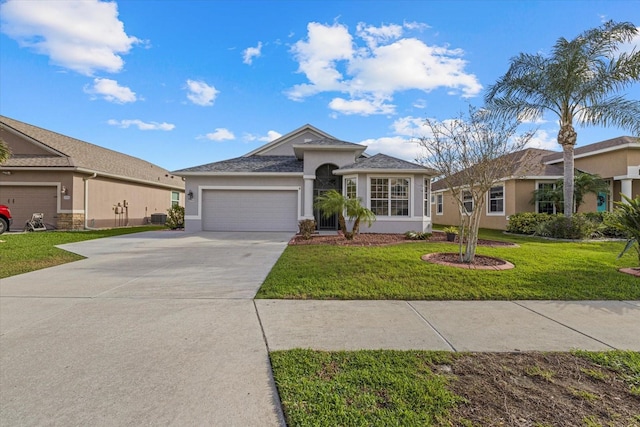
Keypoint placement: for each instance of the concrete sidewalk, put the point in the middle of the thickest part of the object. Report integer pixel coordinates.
(161, 328)
(494, 326)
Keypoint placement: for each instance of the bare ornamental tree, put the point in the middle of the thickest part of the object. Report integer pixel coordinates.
(472, 153)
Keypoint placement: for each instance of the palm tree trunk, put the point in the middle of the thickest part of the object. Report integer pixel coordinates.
(567, 138)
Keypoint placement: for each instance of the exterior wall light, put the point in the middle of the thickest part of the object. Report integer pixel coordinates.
(190, 195)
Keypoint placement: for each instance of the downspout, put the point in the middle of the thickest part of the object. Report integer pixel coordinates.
(86, 201)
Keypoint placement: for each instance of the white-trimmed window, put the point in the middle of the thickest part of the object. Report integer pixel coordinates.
(351, 187)
(439, 204)
(545, 206)
(467, 201)
(390, 196)
(495, 206)
(175, 198)
(427, 198)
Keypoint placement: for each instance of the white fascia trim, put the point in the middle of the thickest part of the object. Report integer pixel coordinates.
(540, 177)
(287, 137)
(257, 174)
(308, 176)
(91, 172)
(201, 189)
(387, 172)
(601, 151)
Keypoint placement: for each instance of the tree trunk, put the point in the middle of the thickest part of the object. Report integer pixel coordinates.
(343, 226)
(567, 138)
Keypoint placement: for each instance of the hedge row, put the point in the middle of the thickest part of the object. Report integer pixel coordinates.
(579, 226)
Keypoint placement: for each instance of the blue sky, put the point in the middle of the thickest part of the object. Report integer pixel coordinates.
(183, 83)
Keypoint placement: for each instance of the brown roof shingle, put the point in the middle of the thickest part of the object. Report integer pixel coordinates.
(80, 154)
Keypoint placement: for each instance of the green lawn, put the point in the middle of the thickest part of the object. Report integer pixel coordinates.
(24, 252)
(544, 270)
(414, 388)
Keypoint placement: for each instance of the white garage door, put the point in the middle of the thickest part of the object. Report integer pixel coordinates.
(250, 210)
(26, 200)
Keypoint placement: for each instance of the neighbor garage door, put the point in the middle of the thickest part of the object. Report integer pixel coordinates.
(26, 200)
(249, 210)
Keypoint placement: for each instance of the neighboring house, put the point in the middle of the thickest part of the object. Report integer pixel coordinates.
(616, 160)
(273, 187)
(79, 185)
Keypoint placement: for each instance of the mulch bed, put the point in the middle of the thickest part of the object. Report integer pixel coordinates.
(380, 239)
(480, 262)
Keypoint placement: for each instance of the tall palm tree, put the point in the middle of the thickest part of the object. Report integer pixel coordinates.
(580, 82)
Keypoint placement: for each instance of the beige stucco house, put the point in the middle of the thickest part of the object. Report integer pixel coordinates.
(77, 184)
(274, 186)
(616, 160)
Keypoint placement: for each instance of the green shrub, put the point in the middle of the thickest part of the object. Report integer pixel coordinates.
(175, 217)
(560, 227)
(417, 235)
(527, 222)
(307, 228)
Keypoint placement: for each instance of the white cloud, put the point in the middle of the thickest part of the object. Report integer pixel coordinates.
(361, 107)
(84, 36)
(376, 35)
(219, 135)
(544, 141)
(396, 146)
(201, 93)
(251, 52)
(412, 127)
(384, 63)
(111, 91)
(271, 135)
(142, 125)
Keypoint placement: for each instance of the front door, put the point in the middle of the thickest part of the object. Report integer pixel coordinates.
(325, 181)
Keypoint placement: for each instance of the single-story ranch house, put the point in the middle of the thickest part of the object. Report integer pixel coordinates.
(79, 185)
(273, 187)
(616, 160)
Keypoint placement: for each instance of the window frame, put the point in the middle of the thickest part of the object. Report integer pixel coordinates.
(175, 201)
(426, 208)
(389, 199)
(489, 200)
(440, 204)
(553, 206)
(463, 195)
(345, 186)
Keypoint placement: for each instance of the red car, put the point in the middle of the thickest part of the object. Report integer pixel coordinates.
(5, 219)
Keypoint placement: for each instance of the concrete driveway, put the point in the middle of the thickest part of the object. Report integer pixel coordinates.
(157, 328)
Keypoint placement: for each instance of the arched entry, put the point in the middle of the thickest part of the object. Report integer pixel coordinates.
(325, 181)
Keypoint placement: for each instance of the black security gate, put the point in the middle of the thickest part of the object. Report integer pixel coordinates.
(325, 181)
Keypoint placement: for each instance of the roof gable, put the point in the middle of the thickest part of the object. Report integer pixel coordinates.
(70, 152)
(283, 146)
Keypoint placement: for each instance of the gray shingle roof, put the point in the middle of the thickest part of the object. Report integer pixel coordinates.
(80, 154)
(252, 164)
(384, 162)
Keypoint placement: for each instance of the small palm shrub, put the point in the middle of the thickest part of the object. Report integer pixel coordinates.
(417, 235)
(627, 220)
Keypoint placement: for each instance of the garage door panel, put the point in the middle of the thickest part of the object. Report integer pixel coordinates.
(250, 210)
(23, 201)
